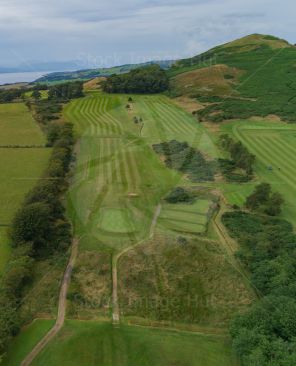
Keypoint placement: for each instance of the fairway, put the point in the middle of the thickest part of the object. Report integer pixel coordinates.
(117, 167)
(191, 218)
(92, 344)
(18, 127)
(274, 145)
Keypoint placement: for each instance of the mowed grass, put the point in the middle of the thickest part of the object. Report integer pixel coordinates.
(18, 127)
(92, 343)
(274, 145)
(191, 218)
(116, 220)
(25, 341)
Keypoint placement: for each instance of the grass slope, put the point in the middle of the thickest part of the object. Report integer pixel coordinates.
(93, 343)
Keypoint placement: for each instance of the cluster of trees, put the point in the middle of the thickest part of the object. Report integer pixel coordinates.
(266, 333)
(241, 159)
(186, 159)
(180, 194)
(263, 200)
(145, 80)
(66, 91)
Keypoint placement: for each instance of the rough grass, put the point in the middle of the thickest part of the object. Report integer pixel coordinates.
(18, 127)
(180, 281)
(93, 343)
(25, 341)
(212, 80)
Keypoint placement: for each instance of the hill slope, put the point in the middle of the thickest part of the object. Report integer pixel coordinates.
(254, 75)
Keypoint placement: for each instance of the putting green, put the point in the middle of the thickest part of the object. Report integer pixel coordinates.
(116, 220)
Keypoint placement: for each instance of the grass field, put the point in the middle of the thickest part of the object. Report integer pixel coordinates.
(274, 145)
(20, 167)
(25, 341)
(190, 218)
(18, 127)
(92, 343)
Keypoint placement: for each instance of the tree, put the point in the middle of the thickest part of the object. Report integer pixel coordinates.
(32, 224)
(260, 196)
(36, 94)
(274, 205)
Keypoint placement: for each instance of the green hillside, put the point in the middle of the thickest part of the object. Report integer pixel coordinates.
(252, 76)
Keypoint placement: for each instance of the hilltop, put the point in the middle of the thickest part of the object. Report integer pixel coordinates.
(251, 76)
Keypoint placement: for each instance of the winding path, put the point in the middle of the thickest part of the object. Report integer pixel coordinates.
(115, 259)
(61, 309)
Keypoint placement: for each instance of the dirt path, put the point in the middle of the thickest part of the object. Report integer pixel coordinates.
(61, 309)
(115, 259)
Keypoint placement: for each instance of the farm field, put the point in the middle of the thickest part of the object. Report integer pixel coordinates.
(18, 127)
(191, 218)
(274, 145)
(20, 167)
(92, 343)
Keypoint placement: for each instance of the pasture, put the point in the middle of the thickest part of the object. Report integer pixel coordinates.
(93, 343)
(18, 127)
(186, 218)
(274, 145)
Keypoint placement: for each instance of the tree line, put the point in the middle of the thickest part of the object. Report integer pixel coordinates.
(145, 80)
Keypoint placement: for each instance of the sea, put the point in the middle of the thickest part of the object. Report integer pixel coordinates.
(17, 77)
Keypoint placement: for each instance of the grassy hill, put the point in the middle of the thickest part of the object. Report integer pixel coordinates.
(252, 76)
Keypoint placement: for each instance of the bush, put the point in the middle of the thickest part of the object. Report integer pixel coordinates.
(180, 194)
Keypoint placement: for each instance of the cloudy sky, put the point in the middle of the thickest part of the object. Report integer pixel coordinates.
(109, 32)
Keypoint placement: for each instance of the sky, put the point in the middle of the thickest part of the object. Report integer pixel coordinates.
(96, 33)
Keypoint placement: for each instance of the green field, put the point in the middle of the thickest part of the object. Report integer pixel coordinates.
(92, 344)
(18, 127)
(25, 341)
(274, 145)
(20, 167)
(190, 218)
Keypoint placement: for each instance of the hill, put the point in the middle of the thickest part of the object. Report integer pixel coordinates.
(251, 76)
